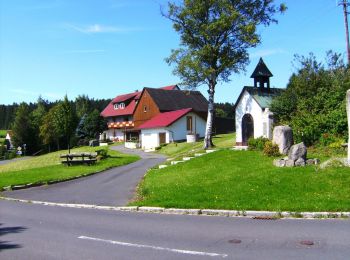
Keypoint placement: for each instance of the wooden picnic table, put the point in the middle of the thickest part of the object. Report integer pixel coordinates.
(79, 158)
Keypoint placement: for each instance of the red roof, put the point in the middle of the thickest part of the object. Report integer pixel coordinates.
(165, 119)
(172, 87)
(129, 109)
(125, 97)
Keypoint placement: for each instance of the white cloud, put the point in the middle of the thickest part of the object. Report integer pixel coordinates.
(267, 52)
(98, 28)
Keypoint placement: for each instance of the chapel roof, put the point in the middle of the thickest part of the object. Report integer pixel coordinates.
(261, 70)
(263, 97)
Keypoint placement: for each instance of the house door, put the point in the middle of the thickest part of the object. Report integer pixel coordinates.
(247, 128)
(161, 138)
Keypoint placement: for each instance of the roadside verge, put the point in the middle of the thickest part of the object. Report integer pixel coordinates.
(267, 215)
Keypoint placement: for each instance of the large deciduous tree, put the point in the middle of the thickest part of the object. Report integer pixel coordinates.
(215, 37)
(314, 101)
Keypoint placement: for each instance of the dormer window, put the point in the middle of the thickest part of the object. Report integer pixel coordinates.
(119, 106)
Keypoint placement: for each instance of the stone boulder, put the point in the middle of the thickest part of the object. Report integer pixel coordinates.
(283, 137)
(297, 151)
(300, 162)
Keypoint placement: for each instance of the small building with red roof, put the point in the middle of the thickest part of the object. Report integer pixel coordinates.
(171, 126)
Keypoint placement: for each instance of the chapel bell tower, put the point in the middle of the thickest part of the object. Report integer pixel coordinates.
(261, 76)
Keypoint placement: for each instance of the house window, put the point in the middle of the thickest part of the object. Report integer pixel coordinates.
(116, 106)
(144, 108)
(189, 124)
(121, 105)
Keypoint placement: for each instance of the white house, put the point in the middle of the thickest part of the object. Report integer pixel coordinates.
(171, 126)
(253, 116)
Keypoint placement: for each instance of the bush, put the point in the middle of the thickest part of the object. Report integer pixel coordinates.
(102, 154)
(257, 144)
(314, 101)
(271, 149)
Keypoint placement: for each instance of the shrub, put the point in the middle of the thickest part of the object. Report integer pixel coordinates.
(102, 154)
(257, 144)
(271, 149)
(314, 101)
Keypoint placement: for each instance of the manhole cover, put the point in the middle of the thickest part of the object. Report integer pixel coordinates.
(307, 243)
(235, 241)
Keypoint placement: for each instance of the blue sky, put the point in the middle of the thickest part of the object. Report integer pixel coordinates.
(103, 48)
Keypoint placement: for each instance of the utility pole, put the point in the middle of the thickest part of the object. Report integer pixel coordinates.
(345, 4)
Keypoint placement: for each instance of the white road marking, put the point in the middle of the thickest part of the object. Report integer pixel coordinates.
(188, 252)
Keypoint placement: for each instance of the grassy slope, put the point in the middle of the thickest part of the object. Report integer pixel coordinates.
(2, 135)
(45, 168)
(180, 149)
(246, 180)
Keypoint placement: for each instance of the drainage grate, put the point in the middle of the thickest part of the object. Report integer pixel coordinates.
(235, 241)
(265, 218)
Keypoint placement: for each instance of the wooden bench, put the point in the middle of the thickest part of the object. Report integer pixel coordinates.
(79, 158)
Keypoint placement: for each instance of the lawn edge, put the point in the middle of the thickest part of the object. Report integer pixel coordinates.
(43, 183)
(263, 215)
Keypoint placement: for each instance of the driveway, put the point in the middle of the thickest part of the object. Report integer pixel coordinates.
(114, 187)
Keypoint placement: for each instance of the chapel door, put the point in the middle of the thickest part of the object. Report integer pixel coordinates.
(247, 128)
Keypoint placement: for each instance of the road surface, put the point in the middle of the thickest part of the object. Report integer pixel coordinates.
(114, 187)
(30, 231)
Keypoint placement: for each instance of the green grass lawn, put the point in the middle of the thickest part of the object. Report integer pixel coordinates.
(3, 133)
(184, 148)
(2, 136)
(46, 168)
(245, 180)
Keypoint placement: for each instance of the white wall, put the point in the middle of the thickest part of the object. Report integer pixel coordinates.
(114, 134)
(175, 132)
(247, 105)
(150, 137)
(179, 128)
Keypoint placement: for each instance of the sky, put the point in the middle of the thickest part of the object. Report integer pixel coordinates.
(104, 48)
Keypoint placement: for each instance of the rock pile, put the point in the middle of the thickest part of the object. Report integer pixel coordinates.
(297, 154)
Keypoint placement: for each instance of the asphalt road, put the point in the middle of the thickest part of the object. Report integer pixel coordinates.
(29, 231)
(114, 187)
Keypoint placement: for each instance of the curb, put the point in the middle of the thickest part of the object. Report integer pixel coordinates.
(264, 215)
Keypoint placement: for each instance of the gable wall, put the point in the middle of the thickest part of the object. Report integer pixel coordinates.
(152, 109)
(247, 105)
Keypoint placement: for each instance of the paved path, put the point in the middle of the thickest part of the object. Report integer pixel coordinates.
(29, 231)
(2, 162)
(112, 187)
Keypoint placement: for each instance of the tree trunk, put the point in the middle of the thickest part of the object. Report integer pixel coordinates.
(208, 143)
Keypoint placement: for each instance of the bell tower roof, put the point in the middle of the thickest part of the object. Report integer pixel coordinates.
(261, 70)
